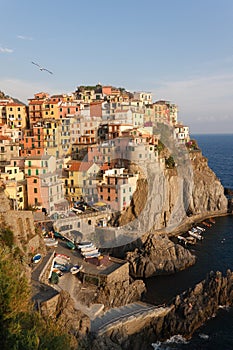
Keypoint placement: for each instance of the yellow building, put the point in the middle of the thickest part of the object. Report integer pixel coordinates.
(80, 181)
(15, 186)
(16, 115)
(52, 135)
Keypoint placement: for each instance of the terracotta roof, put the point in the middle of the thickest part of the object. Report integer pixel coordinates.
(75, 165)
(14, 104)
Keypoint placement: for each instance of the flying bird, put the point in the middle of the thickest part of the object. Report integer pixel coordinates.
(42, 68)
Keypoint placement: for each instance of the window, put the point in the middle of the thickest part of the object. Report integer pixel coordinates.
(35, 190)
(37, 172)
(35, 181)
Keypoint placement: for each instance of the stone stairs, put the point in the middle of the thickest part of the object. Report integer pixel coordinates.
(119, 313)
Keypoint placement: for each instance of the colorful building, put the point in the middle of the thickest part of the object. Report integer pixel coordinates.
(44, 184)
(117, 188)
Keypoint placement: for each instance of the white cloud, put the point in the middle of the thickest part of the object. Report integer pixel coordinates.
(23, 37)
(5, 50)
(23, 90)
(203, 101)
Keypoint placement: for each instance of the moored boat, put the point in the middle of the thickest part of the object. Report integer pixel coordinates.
(207, 224)
(85, 245)
(201, 228)
(212, 220)
(191, 240)
(195, 235)
(70, 245)
(90, 253)
(88, 249)
(182, 239)
(67, 257)
(75, 269)
(36, 258)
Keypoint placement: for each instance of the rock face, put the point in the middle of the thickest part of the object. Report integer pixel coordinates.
(186, 314)
(159, 255)
(208, 192)
(120, 293)
(165, 196)
(61, 309)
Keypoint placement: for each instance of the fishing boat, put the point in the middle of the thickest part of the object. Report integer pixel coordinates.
(58, 235)
(36, 258)
(201, 228)
(64, 256)
(182, 240)
(93, 251)
(207, 224)
(92, 255)
(58, 272)
(75, 269)
(61, 267)
(85, 245)
(195, 235)
(191, 240)
(70, 245)
(60, 260)
(88, 249)
(212, 220)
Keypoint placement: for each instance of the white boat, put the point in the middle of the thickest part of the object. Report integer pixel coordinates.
(85, 245)
(64, 256)
(88, 249)
(182, 239)
(61, 261)
(75, 269)
(93, 251)
(195, 235)
(201, 228)
(89, 256)
(36, 258)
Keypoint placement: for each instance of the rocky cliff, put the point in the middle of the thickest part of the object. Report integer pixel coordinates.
(167, 201)
(186, 313)
(158, 255)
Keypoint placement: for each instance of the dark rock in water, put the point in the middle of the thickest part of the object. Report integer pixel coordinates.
(158, 256)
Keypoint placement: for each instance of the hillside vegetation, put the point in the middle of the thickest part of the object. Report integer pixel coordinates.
(21, 326)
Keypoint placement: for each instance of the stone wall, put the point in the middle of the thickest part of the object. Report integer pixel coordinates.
(22, 225)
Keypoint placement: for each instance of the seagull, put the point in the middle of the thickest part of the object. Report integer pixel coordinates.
(41, 68)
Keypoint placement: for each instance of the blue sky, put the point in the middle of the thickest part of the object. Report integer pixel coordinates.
(180, 50)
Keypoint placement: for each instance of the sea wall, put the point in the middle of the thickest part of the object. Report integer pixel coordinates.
(183, 316)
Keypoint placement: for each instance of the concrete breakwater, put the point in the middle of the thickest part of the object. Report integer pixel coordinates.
(186, 313)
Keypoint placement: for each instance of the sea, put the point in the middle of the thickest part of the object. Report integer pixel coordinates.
(213, 253)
